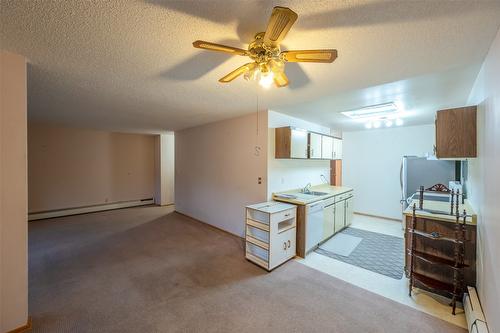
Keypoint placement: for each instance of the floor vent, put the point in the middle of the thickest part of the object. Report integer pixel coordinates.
(476, 322)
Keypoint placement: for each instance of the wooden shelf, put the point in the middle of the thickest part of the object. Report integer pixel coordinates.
(436, 237)
(437, 260)
(433, 283)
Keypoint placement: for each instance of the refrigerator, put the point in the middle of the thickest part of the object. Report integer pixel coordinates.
(416, 171)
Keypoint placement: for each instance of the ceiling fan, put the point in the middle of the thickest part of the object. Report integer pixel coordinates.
(268, 61)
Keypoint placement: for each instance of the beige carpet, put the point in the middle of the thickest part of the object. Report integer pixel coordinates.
(142, 270)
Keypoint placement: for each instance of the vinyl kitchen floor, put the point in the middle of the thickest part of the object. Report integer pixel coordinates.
(396, 290)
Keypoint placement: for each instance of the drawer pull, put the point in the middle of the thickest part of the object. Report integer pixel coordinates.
(288, 214)
(289, 243)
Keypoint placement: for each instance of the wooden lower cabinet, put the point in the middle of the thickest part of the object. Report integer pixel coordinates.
(270, 233)
(349, 210)
(339, 215)
(439, 251)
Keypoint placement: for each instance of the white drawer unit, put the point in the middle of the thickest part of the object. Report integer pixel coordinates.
(270, 233)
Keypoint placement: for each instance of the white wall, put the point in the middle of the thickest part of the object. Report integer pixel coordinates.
(164, 169)
(371, 165)
(13, 193)
(484, 184)
(217, 167)
(72, 167)
(287, 174)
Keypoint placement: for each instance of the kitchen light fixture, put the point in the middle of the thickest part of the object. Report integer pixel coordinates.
(374, 111)
(375, 115)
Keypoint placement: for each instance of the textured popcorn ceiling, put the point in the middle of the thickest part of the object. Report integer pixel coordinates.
(130, 65)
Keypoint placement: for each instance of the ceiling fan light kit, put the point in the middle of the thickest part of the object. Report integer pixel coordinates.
(268, 61)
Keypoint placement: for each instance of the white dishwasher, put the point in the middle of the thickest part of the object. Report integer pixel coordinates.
(314, 224)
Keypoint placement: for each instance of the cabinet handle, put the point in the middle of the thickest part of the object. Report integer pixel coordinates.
(286, 215)
(289, 244)
(284, 246)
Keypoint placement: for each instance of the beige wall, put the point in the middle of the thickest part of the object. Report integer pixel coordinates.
(13, 189)
(216, 170)
(484, 184)
(164, 169)
(70, 167)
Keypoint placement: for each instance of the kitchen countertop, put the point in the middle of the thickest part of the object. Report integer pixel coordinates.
(432, 207)
(305, 199)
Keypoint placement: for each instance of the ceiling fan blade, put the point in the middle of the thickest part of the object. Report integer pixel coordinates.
(310, 55)
(280, 79)
(238, 71)
(200, 44)
(279, 24)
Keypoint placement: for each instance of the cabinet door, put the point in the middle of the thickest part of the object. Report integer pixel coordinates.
(337, 149)
(314, 145)
(456, 133)
(298, 143)
(326, 147)
(349, 211)
(282, 247)
(339, 215)
(329, 221)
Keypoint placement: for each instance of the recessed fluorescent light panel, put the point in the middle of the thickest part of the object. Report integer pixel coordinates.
(374, 115)
(374, 111)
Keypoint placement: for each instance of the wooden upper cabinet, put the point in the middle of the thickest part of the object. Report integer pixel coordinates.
(337, 149)
(290, 143)
(456, 133)
(293, 142)
(315, 145)
(326, 147)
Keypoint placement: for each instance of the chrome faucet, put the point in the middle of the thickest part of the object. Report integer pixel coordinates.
(306, 188)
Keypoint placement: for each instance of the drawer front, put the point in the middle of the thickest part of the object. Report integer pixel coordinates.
(284, 215)
(258, 234)
(343, 196)
(257, 251)
(258, 216)
(283, 247)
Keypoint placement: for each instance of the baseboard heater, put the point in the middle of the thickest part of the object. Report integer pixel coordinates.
(88, 209)
(476, 322)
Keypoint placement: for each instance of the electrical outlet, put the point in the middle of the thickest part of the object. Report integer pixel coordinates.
(259, 180)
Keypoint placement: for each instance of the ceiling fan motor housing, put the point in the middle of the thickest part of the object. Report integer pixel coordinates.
(260, 52)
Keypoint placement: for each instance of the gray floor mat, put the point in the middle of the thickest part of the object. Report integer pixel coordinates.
(378, 253)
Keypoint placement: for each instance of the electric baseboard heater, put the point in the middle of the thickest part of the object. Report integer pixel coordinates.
(476, 322)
